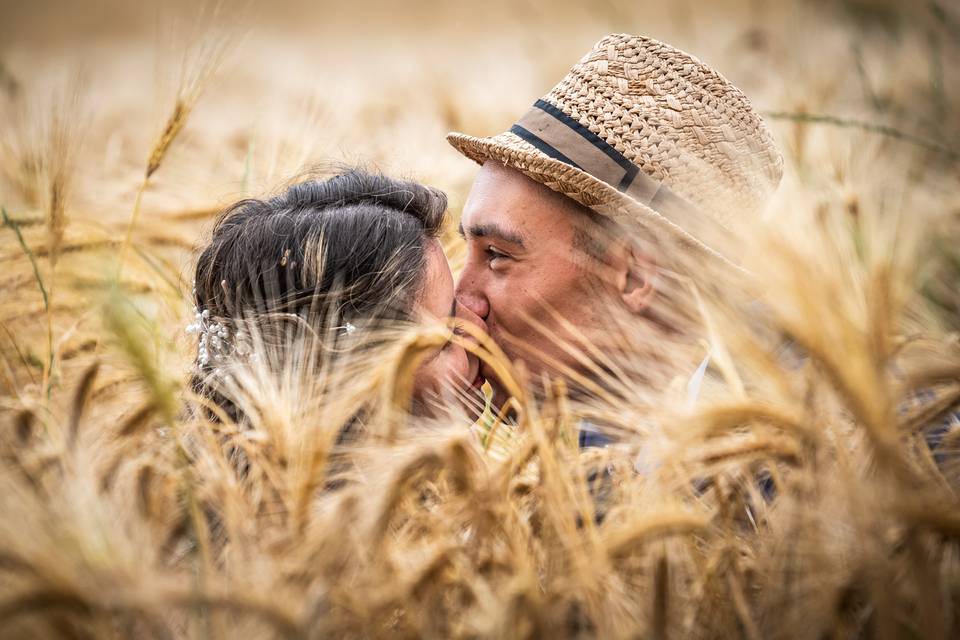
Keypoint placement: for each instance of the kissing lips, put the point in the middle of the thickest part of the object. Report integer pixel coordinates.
(486, 374)
(478, 381)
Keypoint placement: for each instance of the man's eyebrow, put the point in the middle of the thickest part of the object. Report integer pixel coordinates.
(453, 309)
(492, 231)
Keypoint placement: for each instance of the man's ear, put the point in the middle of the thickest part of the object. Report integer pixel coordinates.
(637, 280)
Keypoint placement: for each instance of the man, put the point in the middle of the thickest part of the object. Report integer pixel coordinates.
(639, 156)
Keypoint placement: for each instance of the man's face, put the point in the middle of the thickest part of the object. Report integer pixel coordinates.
(522, 263)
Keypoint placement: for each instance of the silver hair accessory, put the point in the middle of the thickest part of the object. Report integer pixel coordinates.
(214, 338)
(348, 328)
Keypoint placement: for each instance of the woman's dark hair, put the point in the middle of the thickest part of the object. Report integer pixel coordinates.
(326, 255)
(356, 240)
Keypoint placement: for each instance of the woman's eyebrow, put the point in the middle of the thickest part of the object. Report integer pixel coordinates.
(453, 309)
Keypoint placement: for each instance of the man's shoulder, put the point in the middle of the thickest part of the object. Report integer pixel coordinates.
(592, 435)
(940, 436)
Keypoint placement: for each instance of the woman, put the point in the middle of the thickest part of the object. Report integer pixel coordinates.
(340, 260)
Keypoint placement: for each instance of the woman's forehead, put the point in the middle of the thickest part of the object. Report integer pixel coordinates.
(437, 297)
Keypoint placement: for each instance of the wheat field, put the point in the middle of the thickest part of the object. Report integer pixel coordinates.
(809, 493)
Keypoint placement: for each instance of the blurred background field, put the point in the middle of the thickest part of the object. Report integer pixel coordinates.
(127, 126)
(272, 89)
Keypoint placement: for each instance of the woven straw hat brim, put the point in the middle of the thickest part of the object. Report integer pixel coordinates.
(514, 152)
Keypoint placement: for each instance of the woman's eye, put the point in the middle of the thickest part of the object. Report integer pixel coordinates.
(455, 332)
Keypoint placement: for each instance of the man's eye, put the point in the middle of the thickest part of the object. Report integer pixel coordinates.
(495, 255)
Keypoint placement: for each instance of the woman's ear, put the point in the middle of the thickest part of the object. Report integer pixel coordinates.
(637, 281)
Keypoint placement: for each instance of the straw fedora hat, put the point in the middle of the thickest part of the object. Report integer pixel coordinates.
(648, 135)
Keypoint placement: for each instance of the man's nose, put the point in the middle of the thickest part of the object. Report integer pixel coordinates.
(465, 314)
(470, 295)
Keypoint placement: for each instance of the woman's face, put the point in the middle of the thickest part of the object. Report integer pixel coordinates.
(451, 367)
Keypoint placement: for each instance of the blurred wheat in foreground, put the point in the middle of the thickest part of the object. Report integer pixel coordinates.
(809, 493)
